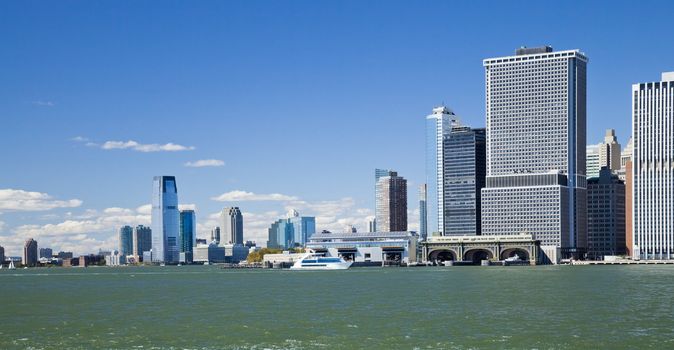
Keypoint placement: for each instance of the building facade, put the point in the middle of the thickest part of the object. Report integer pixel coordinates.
(605, 215)
(592, 161)
(609, 152)
(653, 169)
(188, 231)
(142, 241)
(215, 234)
(46, 253)
(391, 203)
(377, 174)
(438, 125)
(30, 256)
(423, 211)
(126, 240)
(464, 177)
(231, 230)
(2, 255)
(293, 231)
(165, 220)
(536, 132)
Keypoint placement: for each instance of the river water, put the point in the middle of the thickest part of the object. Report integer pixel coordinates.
(204, 307)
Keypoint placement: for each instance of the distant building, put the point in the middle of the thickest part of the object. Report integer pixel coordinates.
(215, 235)
(293, 231)
(592, 160)
(115, 258)
(30, 255)
(232, 226)
(188, 231)
(64, 255)
(224, 253)
(423, 211)
(371, 248)
(142, 241)
(605, 215)
(372, 225)
(609, 151)
(165, 220)
(2, 255)
(46, 253)
(377, 174)
(653, 169)
(126, 240)
(201, 241)
(391, 203)
(350, 228)
(464, 178)
(625, 156)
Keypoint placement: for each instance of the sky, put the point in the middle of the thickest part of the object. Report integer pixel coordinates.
(267, 105)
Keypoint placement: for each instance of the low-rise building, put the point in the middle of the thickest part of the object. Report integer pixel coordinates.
(368, 248)
(115, 258)
(216, 254)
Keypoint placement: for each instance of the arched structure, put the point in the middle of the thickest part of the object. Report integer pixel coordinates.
(476, 248)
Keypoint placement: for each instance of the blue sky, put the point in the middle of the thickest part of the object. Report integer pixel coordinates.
(297, 98)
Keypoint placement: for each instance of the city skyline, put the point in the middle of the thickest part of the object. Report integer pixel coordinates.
(53, 191)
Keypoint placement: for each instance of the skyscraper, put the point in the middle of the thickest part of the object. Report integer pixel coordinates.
(653, 168)
(605, 215)
(391, 203)
(293, 231)
(215, 235)
(232, 226)
(165, 220)
(2, 255)
(142, 241)
(125, 240)
(188, 231)
(438, 126)
(46, 253)
(464, 177)
(536, 123)
(609, 151)
(29, 253)
(377, 174)
(625, 157)
(423, 211)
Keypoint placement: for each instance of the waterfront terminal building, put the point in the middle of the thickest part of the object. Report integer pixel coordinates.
(368, 248)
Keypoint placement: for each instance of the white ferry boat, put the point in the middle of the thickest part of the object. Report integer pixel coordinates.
(312, 261)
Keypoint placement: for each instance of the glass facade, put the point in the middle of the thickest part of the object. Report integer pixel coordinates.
(291, 232)
(231, 230)
(464, 177)
(188, 230)
(125, 240)
(165, 220)
(142, 241)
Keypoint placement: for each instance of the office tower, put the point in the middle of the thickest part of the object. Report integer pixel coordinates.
(629, 205)
(605, 215)
(464, 171)
(423, 214)
(372, 226)
(232, 225)
(377, 174)
(293, 231)
(2, 255)
(609, 151)
(215, 235)
(391, 203)
(188, 230)
(165, 220)
(535, 104)
(125, 240)
(29, 253)
(438, 125)
(142, 241)
(64, 255)
(653, 168)
(46, 253)
(592, 161)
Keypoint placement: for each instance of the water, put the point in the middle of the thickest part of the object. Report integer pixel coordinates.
(203, 307)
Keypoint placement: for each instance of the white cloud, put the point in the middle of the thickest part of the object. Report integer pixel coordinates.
(79, 139)
(240, 196)
(145, 209)
(43, 103)
(205, 163)
(187, 207)
(20, 200)
(152, 147)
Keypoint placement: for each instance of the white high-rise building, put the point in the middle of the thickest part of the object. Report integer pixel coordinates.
(165, 220)
(438, 126)
(653, 168)
(536, 123)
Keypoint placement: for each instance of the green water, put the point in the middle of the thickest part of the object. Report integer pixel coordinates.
(203, 307)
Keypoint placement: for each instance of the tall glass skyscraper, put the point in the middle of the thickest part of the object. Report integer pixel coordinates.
(536, 122)
(464, 177)
(423, 211)
(438, 126)
(188, 230)
(653, 169)
(293, 231)
(231, 230)
(165, 220)
(125, 240)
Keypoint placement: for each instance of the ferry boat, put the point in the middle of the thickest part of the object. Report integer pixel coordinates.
(313, 261)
